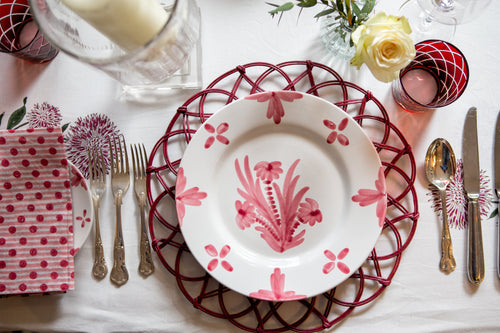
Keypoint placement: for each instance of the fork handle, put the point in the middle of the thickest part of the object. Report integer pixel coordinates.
(146, 266)
(99, 269)
(119, 273)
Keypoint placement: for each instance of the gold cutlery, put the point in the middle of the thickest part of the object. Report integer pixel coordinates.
(497, 184)
(120, 181)
(139, 163)
(97, 177)
(440, 168)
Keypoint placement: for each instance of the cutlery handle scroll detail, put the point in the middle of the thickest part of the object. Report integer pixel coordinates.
(119, 273)
(99, 269)
(475, 254)
(448, 262)
(146, 266)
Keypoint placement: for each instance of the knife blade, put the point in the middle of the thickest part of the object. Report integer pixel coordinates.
(497, 183)
(475, 257)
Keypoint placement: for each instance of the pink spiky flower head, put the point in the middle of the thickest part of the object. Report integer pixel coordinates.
(44, 115)
(90, 132)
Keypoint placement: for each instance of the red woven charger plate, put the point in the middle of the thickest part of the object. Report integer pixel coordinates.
(312, 314)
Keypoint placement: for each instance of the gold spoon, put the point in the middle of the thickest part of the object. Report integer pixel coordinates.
(440, 168)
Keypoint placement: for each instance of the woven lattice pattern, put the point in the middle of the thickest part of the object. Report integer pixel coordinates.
(313, 314)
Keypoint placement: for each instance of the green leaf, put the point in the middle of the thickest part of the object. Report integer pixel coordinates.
(325, 12)
(17, 116)
(307, 3)
(23, 124)
(279, 9)
(356, 9)
(64, 127)
(368, 7)
(1, 117)
(494, 213)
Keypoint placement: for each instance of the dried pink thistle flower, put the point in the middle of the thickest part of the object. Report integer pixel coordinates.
(456, 200)
(88, 133)
(44, 115)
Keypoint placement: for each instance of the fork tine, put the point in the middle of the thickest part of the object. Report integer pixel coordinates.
(102, 166)
(124, 161)
(111, 155)
(144, 159)
(133, 150)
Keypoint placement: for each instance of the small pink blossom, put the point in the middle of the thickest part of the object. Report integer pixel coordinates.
(309, 212)
(335, 134)
(245, 214)
(183, 197)
(77, 179)
(84, 218)
(44, 115)
(335, 260)
(212, 251)
(268, 170)
(275, 108)
(277, 292)
(219, 137)
(367, 197)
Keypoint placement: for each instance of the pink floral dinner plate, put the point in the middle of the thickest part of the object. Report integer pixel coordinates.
(82, 207)
(280, 196)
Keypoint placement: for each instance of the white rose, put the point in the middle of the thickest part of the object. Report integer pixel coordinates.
(384, 44)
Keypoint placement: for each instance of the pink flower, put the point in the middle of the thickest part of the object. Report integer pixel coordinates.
(84, 218)
(275, 108)
(246, 214)
(309, 212)
(221, 138)
(328, 267)
(77, 179)
(191, 197)
(90, 132)
(367, 197)
(212, 251)
(277, 292)
(44, 115)
(335, 135)
(268, 170)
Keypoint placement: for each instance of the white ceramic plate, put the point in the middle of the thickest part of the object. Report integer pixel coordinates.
(83, 217)
(281, 196)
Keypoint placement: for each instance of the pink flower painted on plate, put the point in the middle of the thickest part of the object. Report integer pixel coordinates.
(335, 134)
(212, 251)
(277, 292)
(83, 218)
(309, 212)
(456, 201)
(367, 197)
(268, 171)
(277, 211)
(336, 260)
(77, 179)
(183, 197)
(275, 109)
(217, 134)
(44, 115)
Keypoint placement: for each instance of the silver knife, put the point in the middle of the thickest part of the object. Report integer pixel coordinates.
(475, 258)
(497, 183)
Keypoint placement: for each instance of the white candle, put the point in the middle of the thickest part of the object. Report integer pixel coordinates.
(128, 23)
(420, 85)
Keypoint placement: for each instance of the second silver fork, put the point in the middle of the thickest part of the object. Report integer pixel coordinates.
(139, 162)
(120, 181)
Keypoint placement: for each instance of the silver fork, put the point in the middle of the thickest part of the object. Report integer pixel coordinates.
(120, 181)
(139, 162)
(97, 177)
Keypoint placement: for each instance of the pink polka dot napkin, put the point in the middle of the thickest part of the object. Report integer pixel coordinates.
(36, 232)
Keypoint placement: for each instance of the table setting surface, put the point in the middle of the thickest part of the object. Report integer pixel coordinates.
(419, 296)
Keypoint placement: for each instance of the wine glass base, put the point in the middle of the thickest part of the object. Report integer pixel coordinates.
(189, 77)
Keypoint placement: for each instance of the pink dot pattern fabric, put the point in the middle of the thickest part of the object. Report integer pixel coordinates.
(36, 231)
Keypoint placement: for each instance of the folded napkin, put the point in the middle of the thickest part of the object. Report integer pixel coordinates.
(36, 231)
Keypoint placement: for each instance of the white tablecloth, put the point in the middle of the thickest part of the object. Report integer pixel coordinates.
(420, 299)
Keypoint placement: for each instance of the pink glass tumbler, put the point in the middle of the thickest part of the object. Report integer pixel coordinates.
(436, 77)
(19, 34)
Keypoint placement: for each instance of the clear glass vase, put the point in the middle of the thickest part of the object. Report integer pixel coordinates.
(336, 36)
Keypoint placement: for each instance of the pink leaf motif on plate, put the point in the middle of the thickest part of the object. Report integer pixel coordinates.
(212, 251)
(218, 134)
(335, 260)
(77, 179)
(335, 134)
(84, 218)
(183, 197)
(367, 197)
(277, 292)
(277, 211)
(275, 108)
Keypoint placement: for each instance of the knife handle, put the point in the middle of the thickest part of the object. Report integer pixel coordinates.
(475, 265)
(498, 246)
